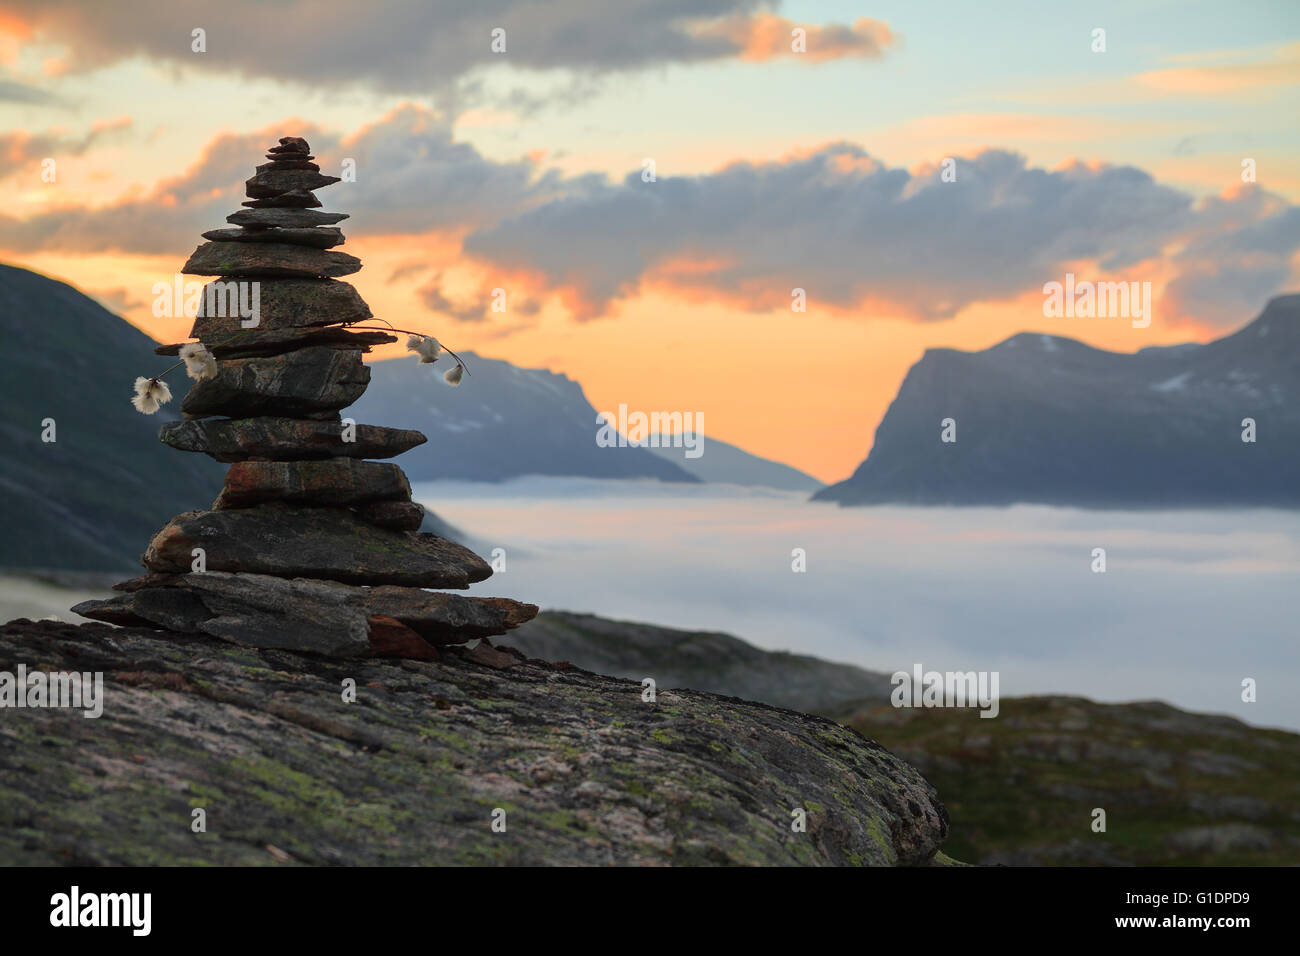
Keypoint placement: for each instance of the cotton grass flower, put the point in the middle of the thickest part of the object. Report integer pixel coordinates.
(426, 346)
(453, 375)
(199, 362)
(150, 395)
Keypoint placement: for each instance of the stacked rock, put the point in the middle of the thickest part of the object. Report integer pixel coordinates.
(310, 545)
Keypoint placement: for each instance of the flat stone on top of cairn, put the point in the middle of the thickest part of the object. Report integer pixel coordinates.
(308, 547)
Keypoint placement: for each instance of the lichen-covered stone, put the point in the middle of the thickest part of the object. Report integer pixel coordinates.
(286, 439)
(587, 772)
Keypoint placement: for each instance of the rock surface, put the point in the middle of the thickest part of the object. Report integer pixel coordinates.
(703, 660)
(277, 182)
(398, 515)
(308, 381)
(328, 543)
(285, 439)
(330, 521)
(586, 772)
(294, 199)
(1179, 788)
(331, 482)
(284, 217)
(251, 343)
(268, 260)
(322, 238)
(287, 303)
(303, 614)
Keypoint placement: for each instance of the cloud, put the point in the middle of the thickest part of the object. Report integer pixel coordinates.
(166, 220)
(760, 37)
(856, 234)
(19, 148)
(1278, 68)
(1239, 255)
(859, 236)
(412, 177)
(119, 301)
(405, 271)
(14, 92)
(435, 300)
(410, 46)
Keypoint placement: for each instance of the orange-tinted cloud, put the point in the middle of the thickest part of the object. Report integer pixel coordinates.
(20, 148)
(861, 238)
(858, 237)
(765, 36)
(412, 46)
(1280, 69)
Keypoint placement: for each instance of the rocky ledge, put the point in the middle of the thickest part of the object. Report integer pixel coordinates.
(413, 772)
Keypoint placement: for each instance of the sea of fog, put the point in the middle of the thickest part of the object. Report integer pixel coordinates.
(1190, 604)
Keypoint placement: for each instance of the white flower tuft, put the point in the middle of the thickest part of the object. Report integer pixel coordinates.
(426, 346)
(150, 395)
(453, 375)
(199, 362)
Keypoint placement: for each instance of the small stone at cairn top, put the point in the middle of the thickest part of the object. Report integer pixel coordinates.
(309, 547)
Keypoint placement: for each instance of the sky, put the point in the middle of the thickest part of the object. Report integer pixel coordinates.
(920, 170)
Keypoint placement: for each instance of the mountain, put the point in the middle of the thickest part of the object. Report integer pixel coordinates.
(1045, 419)
(720, 461)
(501, 422)
(88, 499)
(1181, 788)
(701, 660)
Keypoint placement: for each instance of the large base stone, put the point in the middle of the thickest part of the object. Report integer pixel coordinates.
(301, 614)
(293, 542)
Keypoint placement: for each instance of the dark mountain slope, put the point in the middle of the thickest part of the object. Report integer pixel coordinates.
(1047, 419)
(91, 499)
(501, 422)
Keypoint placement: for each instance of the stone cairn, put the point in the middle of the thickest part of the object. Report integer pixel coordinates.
(310, 546)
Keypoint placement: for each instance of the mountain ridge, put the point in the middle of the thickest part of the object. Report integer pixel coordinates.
(1047, 419)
